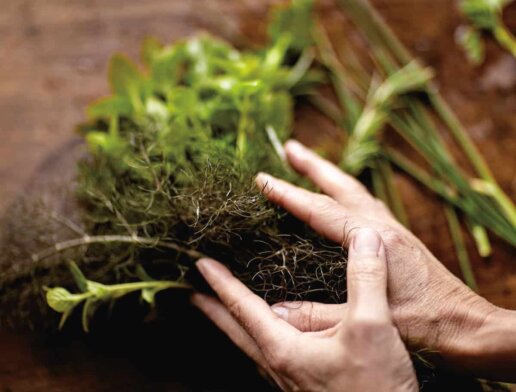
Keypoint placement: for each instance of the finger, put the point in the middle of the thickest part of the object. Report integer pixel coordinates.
(310, 316)
(332, 181)
(322, 213)
(367, 277)
(223, 319)
(249, 310)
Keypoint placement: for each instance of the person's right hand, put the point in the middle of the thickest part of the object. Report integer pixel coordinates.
(362, 352)
(431, 308)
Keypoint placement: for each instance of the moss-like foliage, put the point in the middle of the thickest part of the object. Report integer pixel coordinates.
(169, 176)
(173, 155)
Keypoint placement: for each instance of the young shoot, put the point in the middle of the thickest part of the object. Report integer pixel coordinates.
(93, 294)
(363, 143)
(484, 16)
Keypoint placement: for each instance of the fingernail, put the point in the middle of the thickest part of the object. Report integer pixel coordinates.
(297, 151)
(211, 270)
(367, 241)
(295, 147)
(266, 182)
(281, 312)
(202, 265)
(264, 179)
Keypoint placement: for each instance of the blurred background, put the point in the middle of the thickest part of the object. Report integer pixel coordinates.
(54, 56)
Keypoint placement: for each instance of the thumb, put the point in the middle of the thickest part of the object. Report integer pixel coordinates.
(310, 316)
(367, 277)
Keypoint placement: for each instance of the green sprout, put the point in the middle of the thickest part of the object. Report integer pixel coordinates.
(363, 142)
(471, 41)
(93, 294)
(484, 16)
(416, 118)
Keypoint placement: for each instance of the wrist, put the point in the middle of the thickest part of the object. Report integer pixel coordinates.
(481, 339)
(445, 324)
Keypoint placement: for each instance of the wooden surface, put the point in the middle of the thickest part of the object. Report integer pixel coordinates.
(54, 55)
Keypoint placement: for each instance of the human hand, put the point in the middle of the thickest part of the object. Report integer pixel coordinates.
(431, 308)
(361, 351)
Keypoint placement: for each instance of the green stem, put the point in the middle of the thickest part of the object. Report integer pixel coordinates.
(379, 32)
(494, 191)
(301, 67)
(126, 288)
(104, 239)
(344, 85)
(415, 125)
(505, 38)
(460, 135)
(395, 201)
(420, 175)
(481, 238)
(158, 284)
(327, 108)
(378, 184)
(276, 144)
(460, 247)
(243, 125)
(113, 126)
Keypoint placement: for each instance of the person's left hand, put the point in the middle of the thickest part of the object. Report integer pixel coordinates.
(363, 352)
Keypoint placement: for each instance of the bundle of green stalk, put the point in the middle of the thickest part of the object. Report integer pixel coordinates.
(173, 152)
(368, 103)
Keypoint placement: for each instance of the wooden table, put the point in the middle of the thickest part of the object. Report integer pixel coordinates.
(54, 57)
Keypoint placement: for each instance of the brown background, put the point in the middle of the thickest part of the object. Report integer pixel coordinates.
(54, 55)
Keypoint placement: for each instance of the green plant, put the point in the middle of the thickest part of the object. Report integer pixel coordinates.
(414, 121)
(93, 294)
(169, 178)
(362, 143)
(173, 151)
(484, 16)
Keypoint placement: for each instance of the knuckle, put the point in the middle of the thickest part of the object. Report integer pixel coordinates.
(304, 315)
(325, 203)
(393, 237)
(307, 317)
(323, 210)
(368, 270)
(369, 328)
(312, 319)
(342, 217)
(348, 222)
(351, 222)
(356, 187)
(380, 207)
(236, 305)
(279, 358)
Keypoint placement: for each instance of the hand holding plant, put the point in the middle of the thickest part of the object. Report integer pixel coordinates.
(431, 308)
(361, 352)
